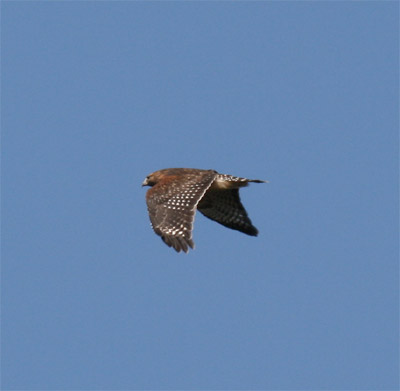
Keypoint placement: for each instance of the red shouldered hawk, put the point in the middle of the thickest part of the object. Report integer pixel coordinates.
(177, 192)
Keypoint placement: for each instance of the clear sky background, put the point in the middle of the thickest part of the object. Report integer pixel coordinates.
(96, 95)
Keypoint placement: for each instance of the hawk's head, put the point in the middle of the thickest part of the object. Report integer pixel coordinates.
(151, 179)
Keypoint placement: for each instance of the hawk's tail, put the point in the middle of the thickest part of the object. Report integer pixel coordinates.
(256, 181)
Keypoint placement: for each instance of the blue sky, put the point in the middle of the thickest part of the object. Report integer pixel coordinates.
(96, 95)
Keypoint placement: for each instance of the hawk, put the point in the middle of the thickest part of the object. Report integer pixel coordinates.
(176, 193)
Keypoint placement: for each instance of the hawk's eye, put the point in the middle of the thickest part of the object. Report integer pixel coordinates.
(150, 181)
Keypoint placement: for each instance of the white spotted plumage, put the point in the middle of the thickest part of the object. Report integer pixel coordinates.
(177, 193)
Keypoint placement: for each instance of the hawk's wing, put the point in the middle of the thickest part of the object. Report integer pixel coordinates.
(172, 205)
(224, 207)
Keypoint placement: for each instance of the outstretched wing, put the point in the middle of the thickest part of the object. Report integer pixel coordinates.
(224, 207)
(172, 205)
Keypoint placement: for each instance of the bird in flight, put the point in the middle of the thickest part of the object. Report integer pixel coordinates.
(176, 193)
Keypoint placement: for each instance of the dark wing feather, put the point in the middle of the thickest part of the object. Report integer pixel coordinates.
(224, 207)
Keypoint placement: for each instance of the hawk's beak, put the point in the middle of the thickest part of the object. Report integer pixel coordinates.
(145, 183)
